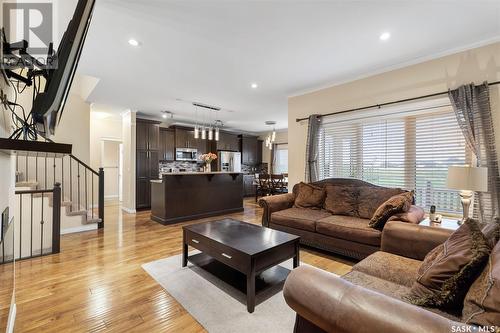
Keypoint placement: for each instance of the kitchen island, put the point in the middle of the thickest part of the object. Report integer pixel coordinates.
(184, 196)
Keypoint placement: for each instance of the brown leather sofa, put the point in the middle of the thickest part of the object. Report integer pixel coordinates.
(346, 235)
(368, 299)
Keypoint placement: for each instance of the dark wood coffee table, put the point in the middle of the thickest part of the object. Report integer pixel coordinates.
(249, 249)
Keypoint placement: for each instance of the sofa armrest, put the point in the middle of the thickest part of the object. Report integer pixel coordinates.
(275, 203)
(336, 305)
(412, 240)
(415, 215)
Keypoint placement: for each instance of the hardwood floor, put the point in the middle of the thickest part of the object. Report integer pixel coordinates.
(97, 284)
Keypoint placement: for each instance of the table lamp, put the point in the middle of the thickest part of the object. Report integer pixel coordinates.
(467, 180)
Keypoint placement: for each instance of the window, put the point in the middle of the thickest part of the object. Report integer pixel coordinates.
(280, 164)
(410, 148)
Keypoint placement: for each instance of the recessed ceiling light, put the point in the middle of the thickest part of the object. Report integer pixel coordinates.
(133, 42)
(385, 36)
(254, 85)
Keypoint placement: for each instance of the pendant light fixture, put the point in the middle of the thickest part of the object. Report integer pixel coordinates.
(196, 127)
(271, 138)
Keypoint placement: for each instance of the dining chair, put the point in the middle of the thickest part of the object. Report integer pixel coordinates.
(278, 184)
(263, 186)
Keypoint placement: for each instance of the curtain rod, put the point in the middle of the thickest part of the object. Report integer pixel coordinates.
(378, 106)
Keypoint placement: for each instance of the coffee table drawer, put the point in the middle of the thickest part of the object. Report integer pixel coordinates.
(219, 252)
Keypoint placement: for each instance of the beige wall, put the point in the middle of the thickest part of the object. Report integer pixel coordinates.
(106, 131)
(433, 76)
(281, 137)
(129, 139)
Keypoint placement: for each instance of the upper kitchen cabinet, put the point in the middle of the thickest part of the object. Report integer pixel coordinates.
(184, 138)
(228, 141)
(148, 135)
(249, 150)
(167, 144)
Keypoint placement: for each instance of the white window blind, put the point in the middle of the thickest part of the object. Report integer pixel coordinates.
(407, 149)
(281, 159)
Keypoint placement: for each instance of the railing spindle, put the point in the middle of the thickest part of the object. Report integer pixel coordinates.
(92, 181)
(62, 178)
(20, 225)
(78, 187)
(41, 231)
(86, 193)
(27, 168)
(70, 184)
(31, 223)
(54, 180)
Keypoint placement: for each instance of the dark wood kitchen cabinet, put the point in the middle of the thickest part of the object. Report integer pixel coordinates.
(248, 186)
(184, 138)
(147, 160)
(249, 150)
(260, 144)
(167, 144)
(228, 141)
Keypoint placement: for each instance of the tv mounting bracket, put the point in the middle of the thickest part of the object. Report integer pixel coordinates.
(15, 57)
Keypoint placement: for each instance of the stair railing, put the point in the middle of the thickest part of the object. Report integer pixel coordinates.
(80, 184)
(37, 225)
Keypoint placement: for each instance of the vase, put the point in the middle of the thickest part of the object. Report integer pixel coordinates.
(208, 167)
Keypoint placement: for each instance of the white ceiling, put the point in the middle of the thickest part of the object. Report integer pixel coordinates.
(211, 51)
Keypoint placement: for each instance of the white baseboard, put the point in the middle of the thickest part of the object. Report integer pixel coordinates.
(12, 316)
(109, 197)
(128, 210)
(82, 228)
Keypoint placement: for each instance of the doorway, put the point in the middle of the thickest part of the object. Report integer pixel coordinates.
(112, 163)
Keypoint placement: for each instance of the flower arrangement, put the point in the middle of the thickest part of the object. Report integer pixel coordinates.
(208, 158)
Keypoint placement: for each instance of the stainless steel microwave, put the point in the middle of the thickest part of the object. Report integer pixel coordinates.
(186, 154)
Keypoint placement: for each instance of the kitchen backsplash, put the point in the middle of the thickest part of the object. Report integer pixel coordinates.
(180, 166)
(193, 167)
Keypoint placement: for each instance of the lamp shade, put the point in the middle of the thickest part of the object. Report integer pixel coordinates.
(467, 178)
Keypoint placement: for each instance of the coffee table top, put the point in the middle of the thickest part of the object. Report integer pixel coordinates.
(244, 237)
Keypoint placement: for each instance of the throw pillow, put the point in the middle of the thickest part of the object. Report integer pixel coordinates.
(370, 199)
(482, 302)
(400, 203)
(309, 196)
(341, 200)
(448, 271)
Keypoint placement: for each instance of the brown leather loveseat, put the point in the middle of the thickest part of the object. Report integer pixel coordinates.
(348, 234)
(371, 298)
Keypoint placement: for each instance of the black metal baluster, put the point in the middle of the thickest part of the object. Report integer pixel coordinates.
(62, 178)
(31, 234)
(41, 231)
(45, 184)
(70, 184)
(78, 186)
(54, 170)
(20, 225)
(92, 181)
(86, 193)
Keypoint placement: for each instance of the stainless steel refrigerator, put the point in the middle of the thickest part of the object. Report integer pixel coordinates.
(229, 161)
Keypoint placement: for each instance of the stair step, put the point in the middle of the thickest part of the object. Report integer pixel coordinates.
(92, 220)
(30, 184)
(77, 212)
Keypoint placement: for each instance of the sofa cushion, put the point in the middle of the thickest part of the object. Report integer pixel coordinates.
(370, 199)
(341, 200)
(482, 302)
(299, 218)
(448, 271)
(390, 267)
(309, 196)
(387, 288)
(396, 204)
(414, 216)
(349, 228)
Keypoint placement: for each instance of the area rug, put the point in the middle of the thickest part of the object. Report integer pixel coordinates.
(217, 306)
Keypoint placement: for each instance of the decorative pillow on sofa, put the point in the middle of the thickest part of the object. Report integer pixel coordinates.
(400, 203)
(341, 200)
(370, 199)
(448, 271)
(482, 302)
(309, 196)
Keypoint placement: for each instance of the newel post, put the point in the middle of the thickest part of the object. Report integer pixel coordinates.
(101, 198)
(56, 218)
